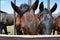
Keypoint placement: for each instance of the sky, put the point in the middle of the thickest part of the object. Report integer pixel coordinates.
(6, 5)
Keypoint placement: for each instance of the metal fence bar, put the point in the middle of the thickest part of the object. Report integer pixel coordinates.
(14, 19)
(0, 10)
(48, 4)
(0, 13)
(29, 2)
(0, 4)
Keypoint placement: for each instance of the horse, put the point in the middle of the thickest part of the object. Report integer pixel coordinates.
(9, 20)
(5, 20)
(27, 22)
(56, 25)
(46, 19)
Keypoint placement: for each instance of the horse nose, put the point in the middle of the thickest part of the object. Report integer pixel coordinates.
(47, 33)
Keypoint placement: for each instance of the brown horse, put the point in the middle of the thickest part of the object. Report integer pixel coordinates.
(26, 21)
(57, 25)
(46, 19)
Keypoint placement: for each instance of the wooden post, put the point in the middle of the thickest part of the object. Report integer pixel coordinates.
(14, 19)
(48, 4)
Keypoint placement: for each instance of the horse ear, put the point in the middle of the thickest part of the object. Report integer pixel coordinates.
(35, 5)
(41, 7)
(53, 8)
(16, 8)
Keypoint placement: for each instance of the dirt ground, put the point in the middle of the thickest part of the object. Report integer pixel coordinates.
(10, 30)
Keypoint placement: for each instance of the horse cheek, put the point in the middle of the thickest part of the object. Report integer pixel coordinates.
(17, 21)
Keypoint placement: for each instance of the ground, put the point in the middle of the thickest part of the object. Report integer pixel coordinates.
(10, 30)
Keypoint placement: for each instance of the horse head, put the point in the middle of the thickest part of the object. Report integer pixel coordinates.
(46, 18)
(26, 17)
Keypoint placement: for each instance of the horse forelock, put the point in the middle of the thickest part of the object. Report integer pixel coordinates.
(24, 8)
(46, 9)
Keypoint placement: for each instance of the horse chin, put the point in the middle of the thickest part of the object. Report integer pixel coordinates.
(48, 30)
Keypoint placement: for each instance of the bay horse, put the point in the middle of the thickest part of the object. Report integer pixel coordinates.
(46, 19)
(26, 21)
(5, 20)
(56, 25)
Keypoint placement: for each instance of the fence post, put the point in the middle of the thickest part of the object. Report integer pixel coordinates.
(0, 10)
(14, 19)
(0, 5)
(48, 4)
(0, 14)
(29, 3)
